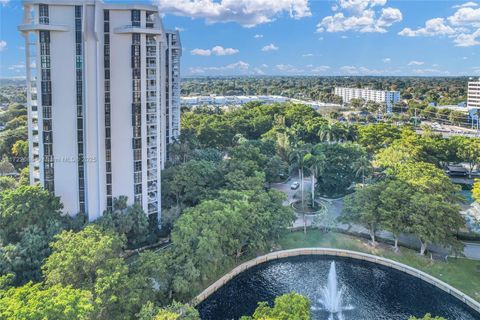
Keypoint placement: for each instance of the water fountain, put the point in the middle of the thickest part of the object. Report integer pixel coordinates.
(332, 297)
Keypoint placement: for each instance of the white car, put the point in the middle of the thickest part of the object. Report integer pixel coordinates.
(295, 185)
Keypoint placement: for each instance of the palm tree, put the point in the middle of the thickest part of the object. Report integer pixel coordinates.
(297, 160)
(315, 163)
(328, 133)
(363, 167)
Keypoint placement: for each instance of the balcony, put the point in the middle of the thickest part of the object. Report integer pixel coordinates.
(42, 27)
(137, 29)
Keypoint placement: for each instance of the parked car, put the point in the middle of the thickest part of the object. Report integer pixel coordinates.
(295, 185)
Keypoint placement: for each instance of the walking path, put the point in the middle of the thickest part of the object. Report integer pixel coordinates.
(471, 250)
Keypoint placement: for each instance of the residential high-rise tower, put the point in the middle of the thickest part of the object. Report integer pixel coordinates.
(103, 86)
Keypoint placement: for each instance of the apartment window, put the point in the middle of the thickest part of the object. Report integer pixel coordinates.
(43, 14)
(150, 19)
(136, 18)
(137, 166)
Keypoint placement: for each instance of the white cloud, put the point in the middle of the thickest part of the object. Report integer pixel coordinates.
(4, 2)
(319, 69)
(416, 63)
(264, 65)
(433, 27)
(306, 55)
(258, 71)
(353, 70)
(247, 13)
(360, 16)
(466, 17)
(463, 27)
(179, 29)
(467, 40)
(221, 51)
(430, 72)
(239, 67)
(201, 52)
(216, 51)
(17, 67)
(466, 4)
(386, 60)
(287, 68)
(270, 47)
(344, 37)
(3, 45)
(258, 36)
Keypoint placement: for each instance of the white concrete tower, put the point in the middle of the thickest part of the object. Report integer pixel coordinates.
(97, 77)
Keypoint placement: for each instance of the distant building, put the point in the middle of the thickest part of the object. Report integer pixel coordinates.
(473, 102)
(103, 101)
(389, 98)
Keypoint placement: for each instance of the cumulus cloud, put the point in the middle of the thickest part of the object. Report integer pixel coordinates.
(430, 72)
(239, 67)
(360, 16)
(416, 63)
(216, 51)
(319, 69)
(463, 27)
(288, 68)
(3, 45)
(258, 36)
(201, 52)
(466, 5)
(221, 51)
(270, 47)
(353, 70)
(433, 27)
(247, 13)
(17, 67)
(386, 60)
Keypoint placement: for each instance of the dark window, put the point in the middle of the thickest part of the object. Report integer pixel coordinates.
(136, 18)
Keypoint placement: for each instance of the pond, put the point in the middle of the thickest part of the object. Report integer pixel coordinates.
(368, 291)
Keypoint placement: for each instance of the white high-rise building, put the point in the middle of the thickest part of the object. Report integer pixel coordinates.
(103, 93)
(473, 100)
(389, 98)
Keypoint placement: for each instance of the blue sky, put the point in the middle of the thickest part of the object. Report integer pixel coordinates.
(305, 37)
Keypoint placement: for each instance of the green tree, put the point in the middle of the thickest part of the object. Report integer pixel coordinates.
(6, 168)
(469, 152)
(291, 306)
(7, 183)
(189, 183)
(129, 221)
(28, 206)
(395, 207)
(339, 169)
(33, 302)
(174, 311)
(91, 260)
(428, 178)
(476, 190)
(435, 220)
(362, 207)
(20, 153)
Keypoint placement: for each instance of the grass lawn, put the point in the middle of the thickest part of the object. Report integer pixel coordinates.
(462, 274)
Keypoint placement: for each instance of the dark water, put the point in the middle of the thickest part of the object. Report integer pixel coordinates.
(374, 292)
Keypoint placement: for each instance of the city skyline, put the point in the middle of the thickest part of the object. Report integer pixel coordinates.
(306, 37)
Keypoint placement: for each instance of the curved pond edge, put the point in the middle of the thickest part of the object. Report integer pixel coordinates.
(475, 305)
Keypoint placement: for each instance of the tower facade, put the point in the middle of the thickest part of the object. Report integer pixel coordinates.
(103, 84)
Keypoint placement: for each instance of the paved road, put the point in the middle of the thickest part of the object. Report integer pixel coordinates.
(471, 250)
